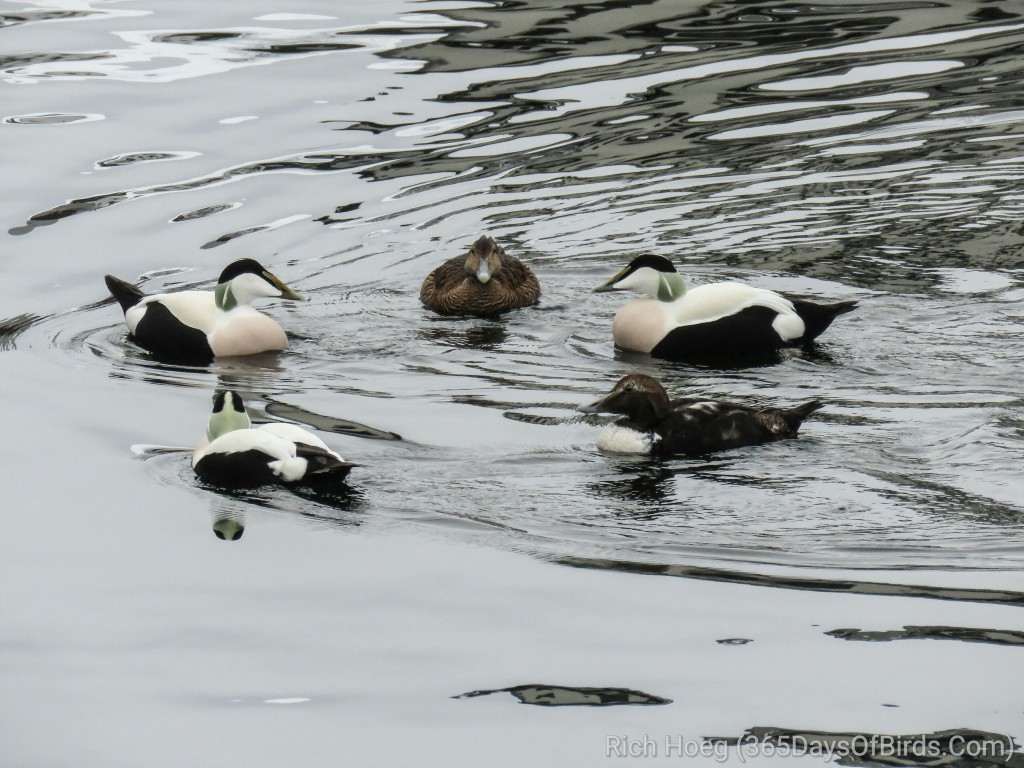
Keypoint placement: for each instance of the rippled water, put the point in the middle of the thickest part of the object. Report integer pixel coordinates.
(869, 151)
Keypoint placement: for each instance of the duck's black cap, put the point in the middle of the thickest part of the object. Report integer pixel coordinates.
(236, 401)
(657, 263)
(240, 267)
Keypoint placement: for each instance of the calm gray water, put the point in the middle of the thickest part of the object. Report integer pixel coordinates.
(862, 150)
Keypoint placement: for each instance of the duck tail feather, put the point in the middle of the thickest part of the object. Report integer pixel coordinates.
(818, 317)
(323, 465)
(127, 295)
(795, 416)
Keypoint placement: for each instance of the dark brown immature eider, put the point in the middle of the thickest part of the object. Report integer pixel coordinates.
(485, 282)
(719, 320)
(196, 326)
(654, 424)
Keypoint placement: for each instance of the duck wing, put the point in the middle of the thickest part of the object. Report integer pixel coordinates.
(441, 282)
(520, 280)
(321, 464)
(704, 426)
(748, 331)
(242, 458)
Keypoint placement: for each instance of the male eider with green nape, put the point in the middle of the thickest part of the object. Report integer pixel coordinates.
(236, 455)
(485, 282)
(719, 320)
(197, 326)
(651, 423)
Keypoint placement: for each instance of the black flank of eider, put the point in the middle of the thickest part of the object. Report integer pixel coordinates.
(242, 469)
(748, 332)
(240, 267)
(818, 317)
(127, 295)
(163, 334)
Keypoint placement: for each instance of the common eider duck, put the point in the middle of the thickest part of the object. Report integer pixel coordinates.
(719, 320)
(237, 455)
(654, 424)
(196, 326)
(485, 282)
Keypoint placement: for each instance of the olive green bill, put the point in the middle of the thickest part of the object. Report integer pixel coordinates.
(286, 292)
(609, 285)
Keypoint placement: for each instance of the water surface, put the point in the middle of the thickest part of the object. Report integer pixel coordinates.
(867, 151)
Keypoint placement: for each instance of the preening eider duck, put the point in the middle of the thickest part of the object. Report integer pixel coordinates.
(236, 455)
(710, 321)
(654, 424)
(196, 326)
(485, 282)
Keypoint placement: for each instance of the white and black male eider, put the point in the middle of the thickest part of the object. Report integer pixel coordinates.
(485, 282)
(654, 424)
(710, 321)
(234, 454)
(196, 326)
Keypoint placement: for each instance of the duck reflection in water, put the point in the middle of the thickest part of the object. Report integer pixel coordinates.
(334, 505)
(228, 526)
(645, 486)
(489, 334)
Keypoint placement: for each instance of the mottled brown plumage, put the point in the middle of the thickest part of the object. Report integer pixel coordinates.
(485, 282)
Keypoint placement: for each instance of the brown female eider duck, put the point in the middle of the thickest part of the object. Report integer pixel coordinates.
(655, 425)
(710, 321)
(486, 282)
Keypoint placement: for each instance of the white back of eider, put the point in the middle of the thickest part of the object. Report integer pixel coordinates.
(295, 434)
(707, 303)
(240, 440)
(280, 452)
(196, 309)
